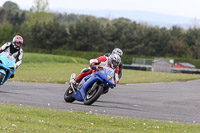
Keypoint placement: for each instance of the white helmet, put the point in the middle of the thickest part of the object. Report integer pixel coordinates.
(114, 60)
(17, 41)
(117, 51)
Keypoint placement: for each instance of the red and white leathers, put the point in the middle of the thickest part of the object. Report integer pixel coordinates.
(16, 52)
(99, 62)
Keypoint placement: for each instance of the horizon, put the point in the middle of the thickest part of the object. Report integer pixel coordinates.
(170, 7)
(153, 18)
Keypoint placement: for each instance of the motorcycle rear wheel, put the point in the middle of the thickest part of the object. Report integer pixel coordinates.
(92, 96)
(68, 95)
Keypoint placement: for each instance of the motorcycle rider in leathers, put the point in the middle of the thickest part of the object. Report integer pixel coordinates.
(112, 61)
(120, 53)
(14, 48)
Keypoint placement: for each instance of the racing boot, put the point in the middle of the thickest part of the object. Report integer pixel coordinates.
(73, 81)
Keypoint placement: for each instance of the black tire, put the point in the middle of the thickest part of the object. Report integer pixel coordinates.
(92, 96)
(1, 77)
(68, 95)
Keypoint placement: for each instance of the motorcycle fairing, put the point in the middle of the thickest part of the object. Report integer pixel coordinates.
(7, 66)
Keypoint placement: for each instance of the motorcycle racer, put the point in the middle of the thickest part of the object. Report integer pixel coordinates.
(112, 61)
(15, 49)
(120, 53)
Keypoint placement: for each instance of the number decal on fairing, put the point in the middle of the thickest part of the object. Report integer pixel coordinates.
(110, 72)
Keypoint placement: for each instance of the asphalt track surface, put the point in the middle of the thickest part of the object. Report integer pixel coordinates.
(176, 101)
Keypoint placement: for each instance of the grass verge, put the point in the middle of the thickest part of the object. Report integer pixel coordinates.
(54, 72)
(48, 58)
(35, 120)
(57, 69)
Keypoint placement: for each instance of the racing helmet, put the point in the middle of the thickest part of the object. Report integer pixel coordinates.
(17, 41)
(114, 60)
(117, 51)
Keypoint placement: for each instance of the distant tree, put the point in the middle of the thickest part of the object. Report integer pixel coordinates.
(5, 32)
(40, 12)
(48, 36)
(108, 38)
(66, 19)
(11, 5)
(115, 33)
(196, 49)
(55, 35)
(18, 18)
(177, 47)
(71, 18)
(192, 40)
(103, 21)
(5, 15)
(40, 6)
(25, 31)
(85, 35)
(2, 15)
(178, 32)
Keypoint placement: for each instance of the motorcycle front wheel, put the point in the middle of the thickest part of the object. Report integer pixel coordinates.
(93, 94)
(68, 95)
(1, 77)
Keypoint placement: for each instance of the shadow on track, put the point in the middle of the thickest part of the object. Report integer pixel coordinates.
(8, 92)
(110, 105)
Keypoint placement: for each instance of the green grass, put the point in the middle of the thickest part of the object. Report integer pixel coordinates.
(132, 76)
(57, 69)
(60, 73)
(47, 58)
(34, 120)
(47, 72)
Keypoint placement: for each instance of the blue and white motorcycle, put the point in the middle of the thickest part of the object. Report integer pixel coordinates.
(91, 87)
(7, 66)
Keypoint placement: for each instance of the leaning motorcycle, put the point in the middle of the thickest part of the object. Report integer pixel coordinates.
(91, 87)
(7, 66)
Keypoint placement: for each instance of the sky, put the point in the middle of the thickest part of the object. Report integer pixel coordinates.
(189, 10)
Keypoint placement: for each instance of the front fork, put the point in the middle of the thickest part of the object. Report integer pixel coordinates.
(72, 87)
(95, 85)
(72, 78)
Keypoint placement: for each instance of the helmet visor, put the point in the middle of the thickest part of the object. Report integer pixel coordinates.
(18, 44)
(115, 63)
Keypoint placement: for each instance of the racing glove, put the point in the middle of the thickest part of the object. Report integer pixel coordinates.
(93, 67)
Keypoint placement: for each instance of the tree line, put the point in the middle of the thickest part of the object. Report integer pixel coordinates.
(43, 30)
